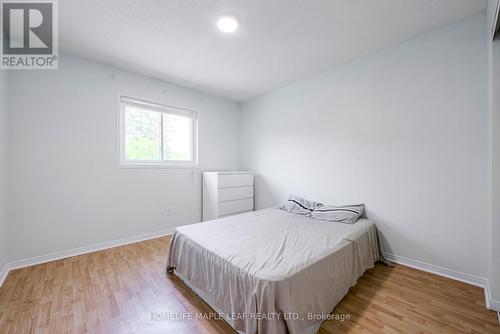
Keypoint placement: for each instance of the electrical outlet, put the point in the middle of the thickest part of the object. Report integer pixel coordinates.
(169, 211)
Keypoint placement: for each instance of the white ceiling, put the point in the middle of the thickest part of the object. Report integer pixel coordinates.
(278, 42)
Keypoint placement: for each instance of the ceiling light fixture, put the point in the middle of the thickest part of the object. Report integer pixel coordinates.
(227, 24)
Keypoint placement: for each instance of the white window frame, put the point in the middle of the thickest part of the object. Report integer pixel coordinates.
(162, 109)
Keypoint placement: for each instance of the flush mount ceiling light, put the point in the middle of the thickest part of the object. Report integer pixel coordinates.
(227, 24)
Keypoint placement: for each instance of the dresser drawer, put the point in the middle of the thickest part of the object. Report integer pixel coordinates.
(233, 193)
(232, 207)
(235, 180)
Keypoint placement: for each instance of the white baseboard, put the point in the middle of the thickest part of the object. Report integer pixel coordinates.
(3, 273)
(453, 274)
(487, 295)
(481, 282)
(78, 251)
(495, 305)
(491, 304)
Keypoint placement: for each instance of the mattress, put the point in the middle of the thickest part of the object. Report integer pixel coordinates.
(272, 271)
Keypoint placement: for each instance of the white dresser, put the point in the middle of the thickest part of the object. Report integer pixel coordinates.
(226, 193)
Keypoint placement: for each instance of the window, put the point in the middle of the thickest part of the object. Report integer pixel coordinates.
(154, 134)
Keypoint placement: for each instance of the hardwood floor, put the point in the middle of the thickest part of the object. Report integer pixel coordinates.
(119, 289)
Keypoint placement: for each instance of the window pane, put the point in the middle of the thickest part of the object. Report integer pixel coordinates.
(142, 134)
(177, 138)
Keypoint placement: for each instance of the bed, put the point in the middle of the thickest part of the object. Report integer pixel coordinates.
(272, 271)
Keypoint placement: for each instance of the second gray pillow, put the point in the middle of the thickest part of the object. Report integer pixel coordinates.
(347, 214)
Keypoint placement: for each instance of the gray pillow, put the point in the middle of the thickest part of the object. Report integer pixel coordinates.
(347, 214)
(299, 205)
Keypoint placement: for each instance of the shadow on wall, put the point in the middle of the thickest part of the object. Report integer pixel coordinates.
(265, 197)
(396, 229)
(379, 223)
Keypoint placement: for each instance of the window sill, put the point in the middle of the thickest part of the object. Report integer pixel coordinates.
(155, 166)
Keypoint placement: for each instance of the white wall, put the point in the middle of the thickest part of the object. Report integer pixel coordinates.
(495, 232)
(65, 189)
(493, 52)
(3, 170)
(402, 130)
